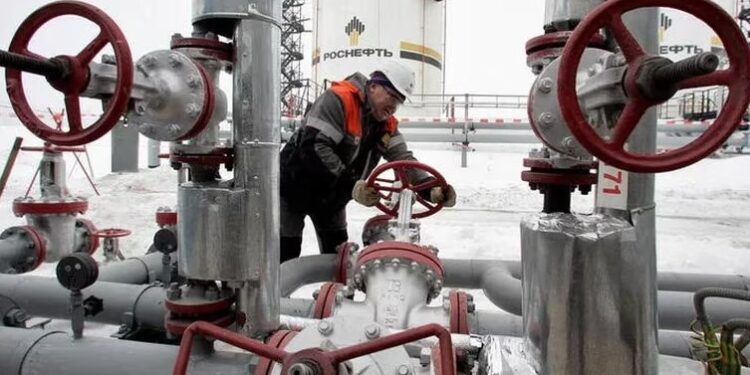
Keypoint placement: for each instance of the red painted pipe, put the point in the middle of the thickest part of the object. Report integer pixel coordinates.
(447, 361)
(229, 337)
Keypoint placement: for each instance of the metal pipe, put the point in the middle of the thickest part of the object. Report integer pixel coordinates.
(138, 270)
(477, 274)
(123, 303)
(298, 272)
(153, 151)
(563, 15)
(14, 250)
(32, 352)
(256, 118)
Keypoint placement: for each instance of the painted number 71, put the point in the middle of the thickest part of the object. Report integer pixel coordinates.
(615, 190)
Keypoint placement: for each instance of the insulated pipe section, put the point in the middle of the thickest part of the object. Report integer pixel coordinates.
(128, 304)
(32, 352)
(256, 119)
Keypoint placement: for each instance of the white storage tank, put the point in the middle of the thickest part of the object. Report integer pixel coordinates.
(357, 35)
(682, 35)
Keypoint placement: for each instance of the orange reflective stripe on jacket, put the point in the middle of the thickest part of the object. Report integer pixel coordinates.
(349, 95)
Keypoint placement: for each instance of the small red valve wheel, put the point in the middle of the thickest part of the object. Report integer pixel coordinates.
(386, 187)
(76, 78)
(111, 233)
(612, 151)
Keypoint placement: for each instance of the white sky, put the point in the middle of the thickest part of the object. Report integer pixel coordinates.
(485, 41)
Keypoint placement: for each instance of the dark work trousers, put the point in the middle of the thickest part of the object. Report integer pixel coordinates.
(329, 227)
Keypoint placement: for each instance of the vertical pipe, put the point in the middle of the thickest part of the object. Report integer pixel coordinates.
(643, 23)
(562, 15)
(256, 119)
(52, 181)
(154, 148)
(465, 144)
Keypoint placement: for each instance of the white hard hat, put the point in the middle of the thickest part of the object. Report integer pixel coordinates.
(400, 76)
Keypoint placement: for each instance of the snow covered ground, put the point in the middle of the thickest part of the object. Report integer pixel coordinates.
(702, 210)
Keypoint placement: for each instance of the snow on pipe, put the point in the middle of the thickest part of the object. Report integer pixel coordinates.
(29, 352)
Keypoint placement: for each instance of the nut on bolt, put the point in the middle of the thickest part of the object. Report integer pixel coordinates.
(545, 85)
(403, 370)
(325, 327)
(174, 292)
(372, 331)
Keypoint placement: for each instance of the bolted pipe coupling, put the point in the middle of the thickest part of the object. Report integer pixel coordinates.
(413, 258)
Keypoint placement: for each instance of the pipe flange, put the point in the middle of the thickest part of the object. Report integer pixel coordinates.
(214, 158)
(278, 340)
(459, 312)
(418, 258)
(184, 103)
(90, 237)
(39, 247)
(326, 299)
(541, 50)
(64, 206)
(198, 299)
(344, 252)
(166, 217)
(206, 48)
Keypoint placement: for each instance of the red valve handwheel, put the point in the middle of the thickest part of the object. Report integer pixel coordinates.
(111, 233)
(75, 82)
(612, 151)
(386, 187)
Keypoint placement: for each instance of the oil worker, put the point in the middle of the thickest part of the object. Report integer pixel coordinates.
(342, 138)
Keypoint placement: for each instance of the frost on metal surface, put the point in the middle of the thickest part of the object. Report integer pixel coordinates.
(585, 227)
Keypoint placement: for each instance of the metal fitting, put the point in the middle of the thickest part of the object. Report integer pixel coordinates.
(192, 110)
(174, 60)
(300, 369)
(174, 292)
(403, 370)
(193, 81)
(325, 327)
(545, 85)
(425, 357)
(372, 331)
(546, 119)
(149, 61)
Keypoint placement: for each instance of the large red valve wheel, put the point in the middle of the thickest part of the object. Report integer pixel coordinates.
(386, 187)
(77, 77)
(613, 151)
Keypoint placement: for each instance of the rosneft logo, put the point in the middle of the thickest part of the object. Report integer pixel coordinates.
(664, 24)
(354, 29)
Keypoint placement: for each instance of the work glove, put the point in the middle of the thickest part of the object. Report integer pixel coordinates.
(445, 195)
(365, 195)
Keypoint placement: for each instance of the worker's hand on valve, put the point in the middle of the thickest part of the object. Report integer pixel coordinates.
(365, 195)
(445, 195)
